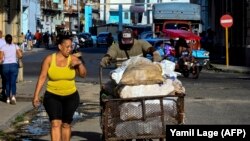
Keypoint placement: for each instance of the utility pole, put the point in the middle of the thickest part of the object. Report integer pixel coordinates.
(78, 14)
(120, 17)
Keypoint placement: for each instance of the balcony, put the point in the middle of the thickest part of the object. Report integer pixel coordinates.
(57, 6)
(72, 9)
(49, 5)
(46, 4)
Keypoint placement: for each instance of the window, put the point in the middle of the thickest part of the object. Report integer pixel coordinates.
(177, 26)
(125, 15)
(56, 1)
(74, 2)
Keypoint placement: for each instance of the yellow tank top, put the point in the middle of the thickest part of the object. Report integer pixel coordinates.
(61, 80)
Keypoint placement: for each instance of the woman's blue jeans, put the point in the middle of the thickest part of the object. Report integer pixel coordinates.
(10, 72)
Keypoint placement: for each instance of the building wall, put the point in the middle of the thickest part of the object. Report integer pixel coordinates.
(2, 17)
(238, 34)
(247, 50)
(70, 15)
(248, 24)
(25, 19)
(114, 12)
(52, 15)
(34, 13)
(109, 11)
(10, 18)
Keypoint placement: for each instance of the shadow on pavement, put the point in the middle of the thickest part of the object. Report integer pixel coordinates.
(89, 136)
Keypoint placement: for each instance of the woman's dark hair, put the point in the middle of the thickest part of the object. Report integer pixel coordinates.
(61, 37)
(8, 39)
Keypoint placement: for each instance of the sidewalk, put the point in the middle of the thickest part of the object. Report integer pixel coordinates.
(24, 94)
(88, 93)
(233, 69)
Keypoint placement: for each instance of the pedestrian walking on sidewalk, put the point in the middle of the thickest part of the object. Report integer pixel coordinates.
(38, 38)
(46, 38)
(29, 38)
(22, 42)
(9, 54)
(61, 97)
(3, 93)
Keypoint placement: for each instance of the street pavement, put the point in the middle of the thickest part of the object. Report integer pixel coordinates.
(89, 129)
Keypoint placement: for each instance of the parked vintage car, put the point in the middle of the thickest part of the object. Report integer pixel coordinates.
(85, 40)
(101, 39)
(146, 35)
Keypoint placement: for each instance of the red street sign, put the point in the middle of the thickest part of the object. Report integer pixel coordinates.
(226, 21)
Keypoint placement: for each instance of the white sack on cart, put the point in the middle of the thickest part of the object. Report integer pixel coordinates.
(168, 65)
(117, 73)
(147, 90)
(168, 68)
(152, 126)
(133, 110)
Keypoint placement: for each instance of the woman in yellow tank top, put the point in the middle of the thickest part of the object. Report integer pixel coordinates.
(61, 98)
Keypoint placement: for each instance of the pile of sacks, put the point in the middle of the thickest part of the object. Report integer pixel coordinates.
(140, 77)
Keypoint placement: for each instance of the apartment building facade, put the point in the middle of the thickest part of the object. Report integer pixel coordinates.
(10, 18)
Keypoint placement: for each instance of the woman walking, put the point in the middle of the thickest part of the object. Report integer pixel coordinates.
(9, 54)
(61, 98)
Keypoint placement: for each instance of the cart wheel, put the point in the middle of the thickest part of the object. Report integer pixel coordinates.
(195, 72)
(185, 73)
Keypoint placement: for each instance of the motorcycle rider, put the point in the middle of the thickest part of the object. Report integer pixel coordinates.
(185, 53)
(128, 47)
(75, 42)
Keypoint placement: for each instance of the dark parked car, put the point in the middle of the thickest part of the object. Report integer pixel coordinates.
(85, 40)
(101, 39)
(146, 35)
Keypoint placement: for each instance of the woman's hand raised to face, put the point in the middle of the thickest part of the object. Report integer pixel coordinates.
(75, 62)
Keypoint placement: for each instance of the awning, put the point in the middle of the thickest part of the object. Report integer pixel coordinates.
(176, 33)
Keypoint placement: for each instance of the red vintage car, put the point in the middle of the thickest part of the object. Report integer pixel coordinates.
(192, 39)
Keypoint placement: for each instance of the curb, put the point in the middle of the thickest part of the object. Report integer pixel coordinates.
(229, 69)
(8, 123)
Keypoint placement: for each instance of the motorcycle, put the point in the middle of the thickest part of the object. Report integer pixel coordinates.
(188, 65)
(190, 68)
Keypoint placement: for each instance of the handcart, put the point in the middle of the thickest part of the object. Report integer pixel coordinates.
(138, 118)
